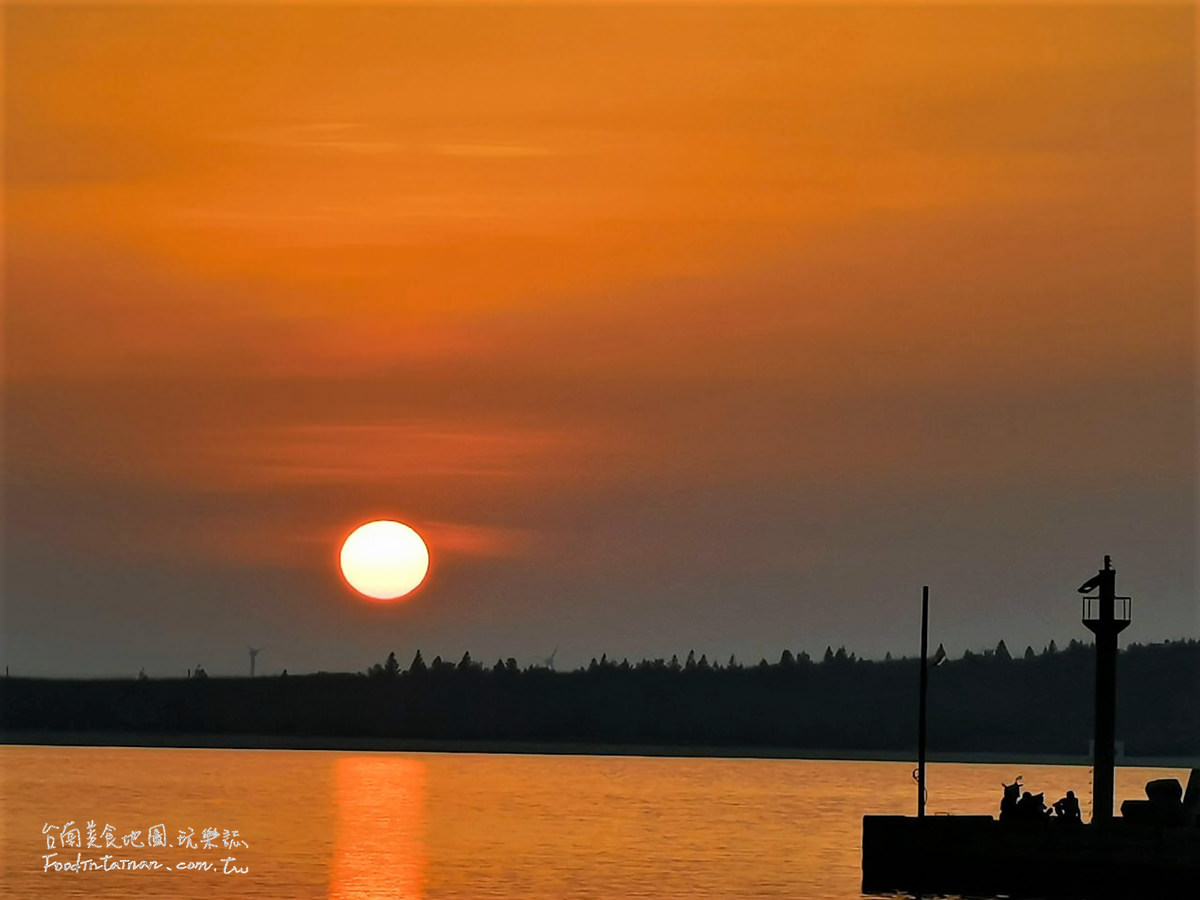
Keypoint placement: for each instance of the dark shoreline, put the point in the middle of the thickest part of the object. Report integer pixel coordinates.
(545, 748)
(981, 709)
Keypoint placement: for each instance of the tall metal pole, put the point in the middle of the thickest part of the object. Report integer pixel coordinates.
(921, 708)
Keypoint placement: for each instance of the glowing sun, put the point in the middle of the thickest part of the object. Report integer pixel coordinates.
(384, 560)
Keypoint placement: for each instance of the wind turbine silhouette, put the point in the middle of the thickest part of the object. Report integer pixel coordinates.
(254, 651)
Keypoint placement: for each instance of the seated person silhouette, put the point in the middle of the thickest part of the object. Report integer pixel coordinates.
(1031, 807)
(1067, 809)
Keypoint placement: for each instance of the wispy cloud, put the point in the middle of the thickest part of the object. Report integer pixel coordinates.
(334, 137)
(476, 540)
(315, 454)
(366, 138)
(492, 150)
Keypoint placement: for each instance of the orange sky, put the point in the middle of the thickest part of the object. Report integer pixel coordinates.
(715, 298)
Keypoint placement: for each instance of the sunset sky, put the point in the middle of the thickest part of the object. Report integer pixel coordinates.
(674, 327)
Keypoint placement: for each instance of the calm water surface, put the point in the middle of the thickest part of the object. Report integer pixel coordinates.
(368, 826)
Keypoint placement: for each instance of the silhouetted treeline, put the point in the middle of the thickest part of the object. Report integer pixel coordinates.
(982, 702)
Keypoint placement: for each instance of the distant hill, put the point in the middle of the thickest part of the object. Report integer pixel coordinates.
(980, 703)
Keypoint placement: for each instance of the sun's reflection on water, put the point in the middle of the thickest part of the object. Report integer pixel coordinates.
(379, 847)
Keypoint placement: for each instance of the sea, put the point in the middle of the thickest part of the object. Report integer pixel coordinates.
(209, 824)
